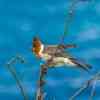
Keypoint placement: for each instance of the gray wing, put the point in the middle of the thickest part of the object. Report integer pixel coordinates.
(64, 54)
(79, 64)
(54, 50)
(51, 49)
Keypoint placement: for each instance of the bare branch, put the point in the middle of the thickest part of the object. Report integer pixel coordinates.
(14, 74)
(93, 90)
(85, 86)
(40, 95)
(80, 90)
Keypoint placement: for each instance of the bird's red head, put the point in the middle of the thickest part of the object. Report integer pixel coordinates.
(36, 46)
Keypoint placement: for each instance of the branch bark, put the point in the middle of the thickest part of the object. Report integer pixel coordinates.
(43, 72)
(85, 86)
(14, 74)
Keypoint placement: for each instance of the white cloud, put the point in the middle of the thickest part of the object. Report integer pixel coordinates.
(91, 53)
(8, 89)
(6, 39)
(13, 89)
(56, 8)
(69, 82)
(97, 8)
(66, 6)
(52, 82)
(26, 27)
(90, 33)
(82, 5)
(77, 82)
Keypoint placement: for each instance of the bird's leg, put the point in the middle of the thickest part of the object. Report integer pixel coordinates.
(63, 46)
(70, 46)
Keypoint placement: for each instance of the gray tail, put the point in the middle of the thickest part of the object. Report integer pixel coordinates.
(83, 66)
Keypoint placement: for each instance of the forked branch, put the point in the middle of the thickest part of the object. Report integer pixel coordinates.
(43, 72)
(14, 74)
(92, 81)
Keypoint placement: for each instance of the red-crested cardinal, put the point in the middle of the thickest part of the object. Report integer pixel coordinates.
(56, 55)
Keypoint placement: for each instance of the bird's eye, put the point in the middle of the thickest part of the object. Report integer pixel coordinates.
(35, 39)
(34, 45)
(33, 49)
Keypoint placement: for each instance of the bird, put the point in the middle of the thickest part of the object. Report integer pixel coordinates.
(56, 55)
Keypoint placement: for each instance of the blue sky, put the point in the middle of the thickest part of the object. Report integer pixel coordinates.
(21, 20)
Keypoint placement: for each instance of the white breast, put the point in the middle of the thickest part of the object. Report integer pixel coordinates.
(42, 48)
(59, 61)
(44, 56)
(63, 61)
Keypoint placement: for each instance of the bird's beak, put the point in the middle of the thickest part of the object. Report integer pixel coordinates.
(33, 49)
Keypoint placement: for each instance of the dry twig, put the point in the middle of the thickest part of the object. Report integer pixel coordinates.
(14, 73)
(43, 72)
(85, 86)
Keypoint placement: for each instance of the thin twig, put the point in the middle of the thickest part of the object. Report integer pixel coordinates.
(93, 90)
(43, 71)
(80, 90)
(14, 74)
(85, 86)
(68, 20)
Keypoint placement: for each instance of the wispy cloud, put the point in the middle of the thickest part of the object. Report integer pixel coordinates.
(26, 27)
(90, 33)
(68, 82)
(8, 89)
(97, 8)
(82, 5)
(13, 89)
(56, 8)
(91, 53)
